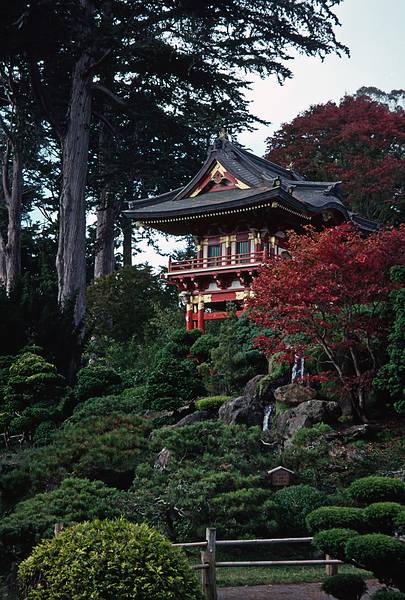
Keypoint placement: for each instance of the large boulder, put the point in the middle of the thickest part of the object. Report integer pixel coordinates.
(242, 410)
(294, 394)
(305, 414)
(195, 417)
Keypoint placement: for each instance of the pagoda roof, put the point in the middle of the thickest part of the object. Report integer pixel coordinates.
(234, 180)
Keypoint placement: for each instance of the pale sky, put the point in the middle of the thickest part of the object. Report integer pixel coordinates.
(373, 31)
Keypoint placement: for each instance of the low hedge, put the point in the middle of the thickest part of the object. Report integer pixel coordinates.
(345, 586)
(368, 490)
(211, 402)
(337, 516)
(107, 559)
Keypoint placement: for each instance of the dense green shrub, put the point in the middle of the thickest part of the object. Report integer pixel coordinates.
(400, 523)
(32, 394)
(201, 349)
(377, 489)
(295, 503)
(245, 512)
(107, 559)
(172, 383)
(381, 554)
(333, 541)
(387, 595)
(73, 501)
(106, 405)
(348, 586)
(381, 516)
(97, 380)
(211, 402)
(338, 516)
(310, 435)
(105, 448)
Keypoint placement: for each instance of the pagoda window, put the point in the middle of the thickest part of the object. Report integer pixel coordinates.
(242, 250)
(214, 254)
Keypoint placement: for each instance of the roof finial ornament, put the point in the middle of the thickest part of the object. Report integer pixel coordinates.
(290, 167)
(222, 139)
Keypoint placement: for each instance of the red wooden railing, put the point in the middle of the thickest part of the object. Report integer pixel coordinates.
(218, 261)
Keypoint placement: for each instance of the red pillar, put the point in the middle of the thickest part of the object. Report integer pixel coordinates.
(201, 311)
(189, 316)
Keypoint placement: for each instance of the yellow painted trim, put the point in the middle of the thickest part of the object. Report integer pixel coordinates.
(217, 167)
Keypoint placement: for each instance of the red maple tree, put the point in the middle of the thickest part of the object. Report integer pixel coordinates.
(331, 297)
(359, 142)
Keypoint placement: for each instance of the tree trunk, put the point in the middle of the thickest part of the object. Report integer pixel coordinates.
(10, 249)
(13, 246)
(104, 261)
(70, 260)
(127, 243)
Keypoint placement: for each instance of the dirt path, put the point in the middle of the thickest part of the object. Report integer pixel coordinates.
(304, 591)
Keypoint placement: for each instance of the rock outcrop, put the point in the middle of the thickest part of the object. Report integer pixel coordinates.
(195, 417)
(305, 414)
(294, 394)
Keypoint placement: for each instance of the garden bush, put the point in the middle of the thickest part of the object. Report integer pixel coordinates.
(97, 380)
(75, 500)
(105, 560)
(245, 512)
(201, 349)
(106, 405)
(211, 402)
(381, 554)
(310, 435)
(381, 516)
(345, 586)
(368, 490)
(32, 395)
(338, 516)
(387, 595)
(400, 523)
(295, 503)
(333, 541)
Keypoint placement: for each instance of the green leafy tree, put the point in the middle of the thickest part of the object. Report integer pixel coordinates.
(112, 559)
(32, 394)
(75, 500)
(97, 380)
(234, 360)
(122, 304)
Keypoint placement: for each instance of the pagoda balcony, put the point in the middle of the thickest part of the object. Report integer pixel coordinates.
(221, 263)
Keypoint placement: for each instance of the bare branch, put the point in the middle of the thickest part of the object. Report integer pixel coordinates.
(106, 122)
(98, 87)
(98, 62)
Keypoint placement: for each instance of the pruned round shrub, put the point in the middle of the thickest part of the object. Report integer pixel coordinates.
(381, 516)
(371, 489)
(381, 554)
(211, 402)
(345, 586)
(333, 541)
(337, 516)
(400, 523)
(106, 405)
(97, 380)
(107, 559)
(296, 502)
(387, 595)
(203, 345)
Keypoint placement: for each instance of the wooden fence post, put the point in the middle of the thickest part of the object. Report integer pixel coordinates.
(331, 569)
(209, 582)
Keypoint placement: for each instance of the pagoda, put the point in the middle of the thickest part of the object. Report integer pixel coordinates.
(238, 208)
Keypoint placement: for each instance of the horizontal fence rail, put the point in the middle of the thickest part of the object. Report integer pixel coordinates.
(209, 564)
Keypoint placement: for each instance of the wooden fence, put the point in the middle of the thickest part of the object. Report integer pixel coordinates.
(209, 564)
